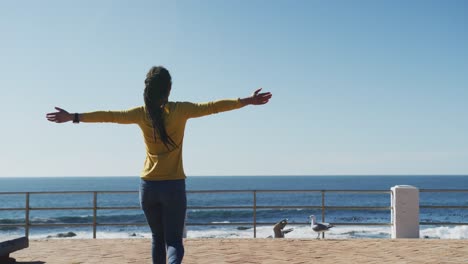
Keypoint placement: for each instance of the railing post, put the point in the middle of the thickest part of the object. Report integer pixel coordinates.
(323, 210)
(94, 214)
(26, 217)
(255, 213)
(405, 211)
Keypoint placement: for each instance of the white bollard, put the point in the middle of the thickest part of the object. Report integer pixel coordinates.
(405, 212)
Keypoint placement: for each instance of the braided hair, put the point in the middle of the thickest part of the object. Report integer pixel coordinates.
(157, 87)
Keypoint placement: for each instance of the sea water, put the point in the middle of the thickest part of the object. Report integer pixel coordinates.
(241, 199)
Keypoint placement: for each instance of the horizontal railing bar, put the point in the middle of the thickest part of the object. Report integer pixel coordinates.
(443, 190)
(295, 207)
(220, 224)
(220, 191)
(293, 223)
(88, 224)
(326, 191)
(71, 208)
(72, 224)
(288, 191)
(289, 207)
(229, 207)
(359, 191)
(358, 207)
(218, 207)
(12, 209)
(234, 191)
(217, 224)
(444, 206)
(336, 224)
(327, 207)
(119, 192)
(67, 192)
(361, 224)
(243, 207)
(58, 208)
(212, 191)
(12, 225)
(32, 224)
(194, 224)
(117, 208)
(214, 224)
(118, 224)
(122, 224)
(51, 192)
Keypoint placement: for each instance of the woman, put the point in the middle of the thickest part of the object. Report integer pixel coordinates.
(162, 190)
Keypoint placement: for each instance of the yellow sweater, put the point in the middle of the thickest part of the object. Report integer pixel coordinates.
(161, 163)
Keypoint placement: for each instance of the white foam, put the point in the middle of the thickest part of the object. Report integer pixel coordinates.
(445, 232)
(302, 232)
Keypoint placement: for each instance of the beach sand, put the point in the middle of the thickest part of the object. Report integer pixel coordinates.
(216, 251)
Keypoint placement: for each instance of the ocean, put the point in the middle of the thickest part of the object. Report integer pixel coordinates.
(297, 217)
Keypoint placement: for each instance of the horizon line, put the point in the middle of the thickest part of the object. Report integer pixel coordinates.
(261, 175)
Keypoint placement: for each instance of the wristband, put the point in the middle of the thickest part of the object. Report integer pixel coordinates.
(76, 118)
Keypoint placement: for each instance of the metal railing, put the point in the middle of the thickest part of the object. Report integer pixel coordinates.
(254, 207)
(323, 207)
(444, 206)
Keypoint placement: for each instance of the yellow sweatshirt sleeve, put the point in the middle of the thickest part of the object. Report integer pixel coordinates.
(193, 110)
(130, 116)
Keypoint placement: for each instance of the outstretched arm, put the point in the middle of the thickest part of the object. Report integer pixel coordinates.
(192, 110)
(130, 116)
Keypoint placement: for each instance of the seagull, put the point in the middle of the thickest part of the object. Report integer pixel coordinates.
(278, 228)
(319, 227)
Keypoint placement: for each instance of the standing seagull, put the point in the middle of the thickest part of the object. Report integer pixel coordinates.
(319, 227)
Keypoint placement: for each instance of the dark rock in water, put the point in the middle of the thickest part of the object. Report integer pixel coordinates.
(135, 235)
(69, 234)
(243, 228)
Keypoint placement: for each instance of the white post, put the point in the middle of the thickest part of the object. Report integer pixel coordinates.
(405, 212)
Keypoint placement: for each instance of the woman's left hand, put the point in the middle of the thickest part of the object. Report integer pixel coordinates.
(61, 116)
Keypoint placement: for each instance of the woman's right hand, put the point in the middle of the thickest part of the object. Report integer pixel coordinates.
(61, 116)
(257, 98)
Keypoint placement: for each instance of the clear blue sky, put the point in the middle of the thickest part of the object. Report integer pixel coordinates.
(359, 87)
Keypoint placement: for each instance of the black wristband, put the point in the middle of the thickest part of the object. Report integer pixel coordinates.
(76, 118)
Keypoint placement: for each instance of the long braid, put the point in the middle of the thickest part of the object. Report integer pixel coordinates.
(157, 86)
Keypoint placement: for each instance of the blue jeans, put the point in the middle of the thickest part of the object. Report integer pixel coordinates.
(164, 204)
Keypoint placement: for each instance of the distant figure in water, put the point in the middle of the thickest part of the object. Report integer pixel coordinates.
(319, 227)
(162, 189)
